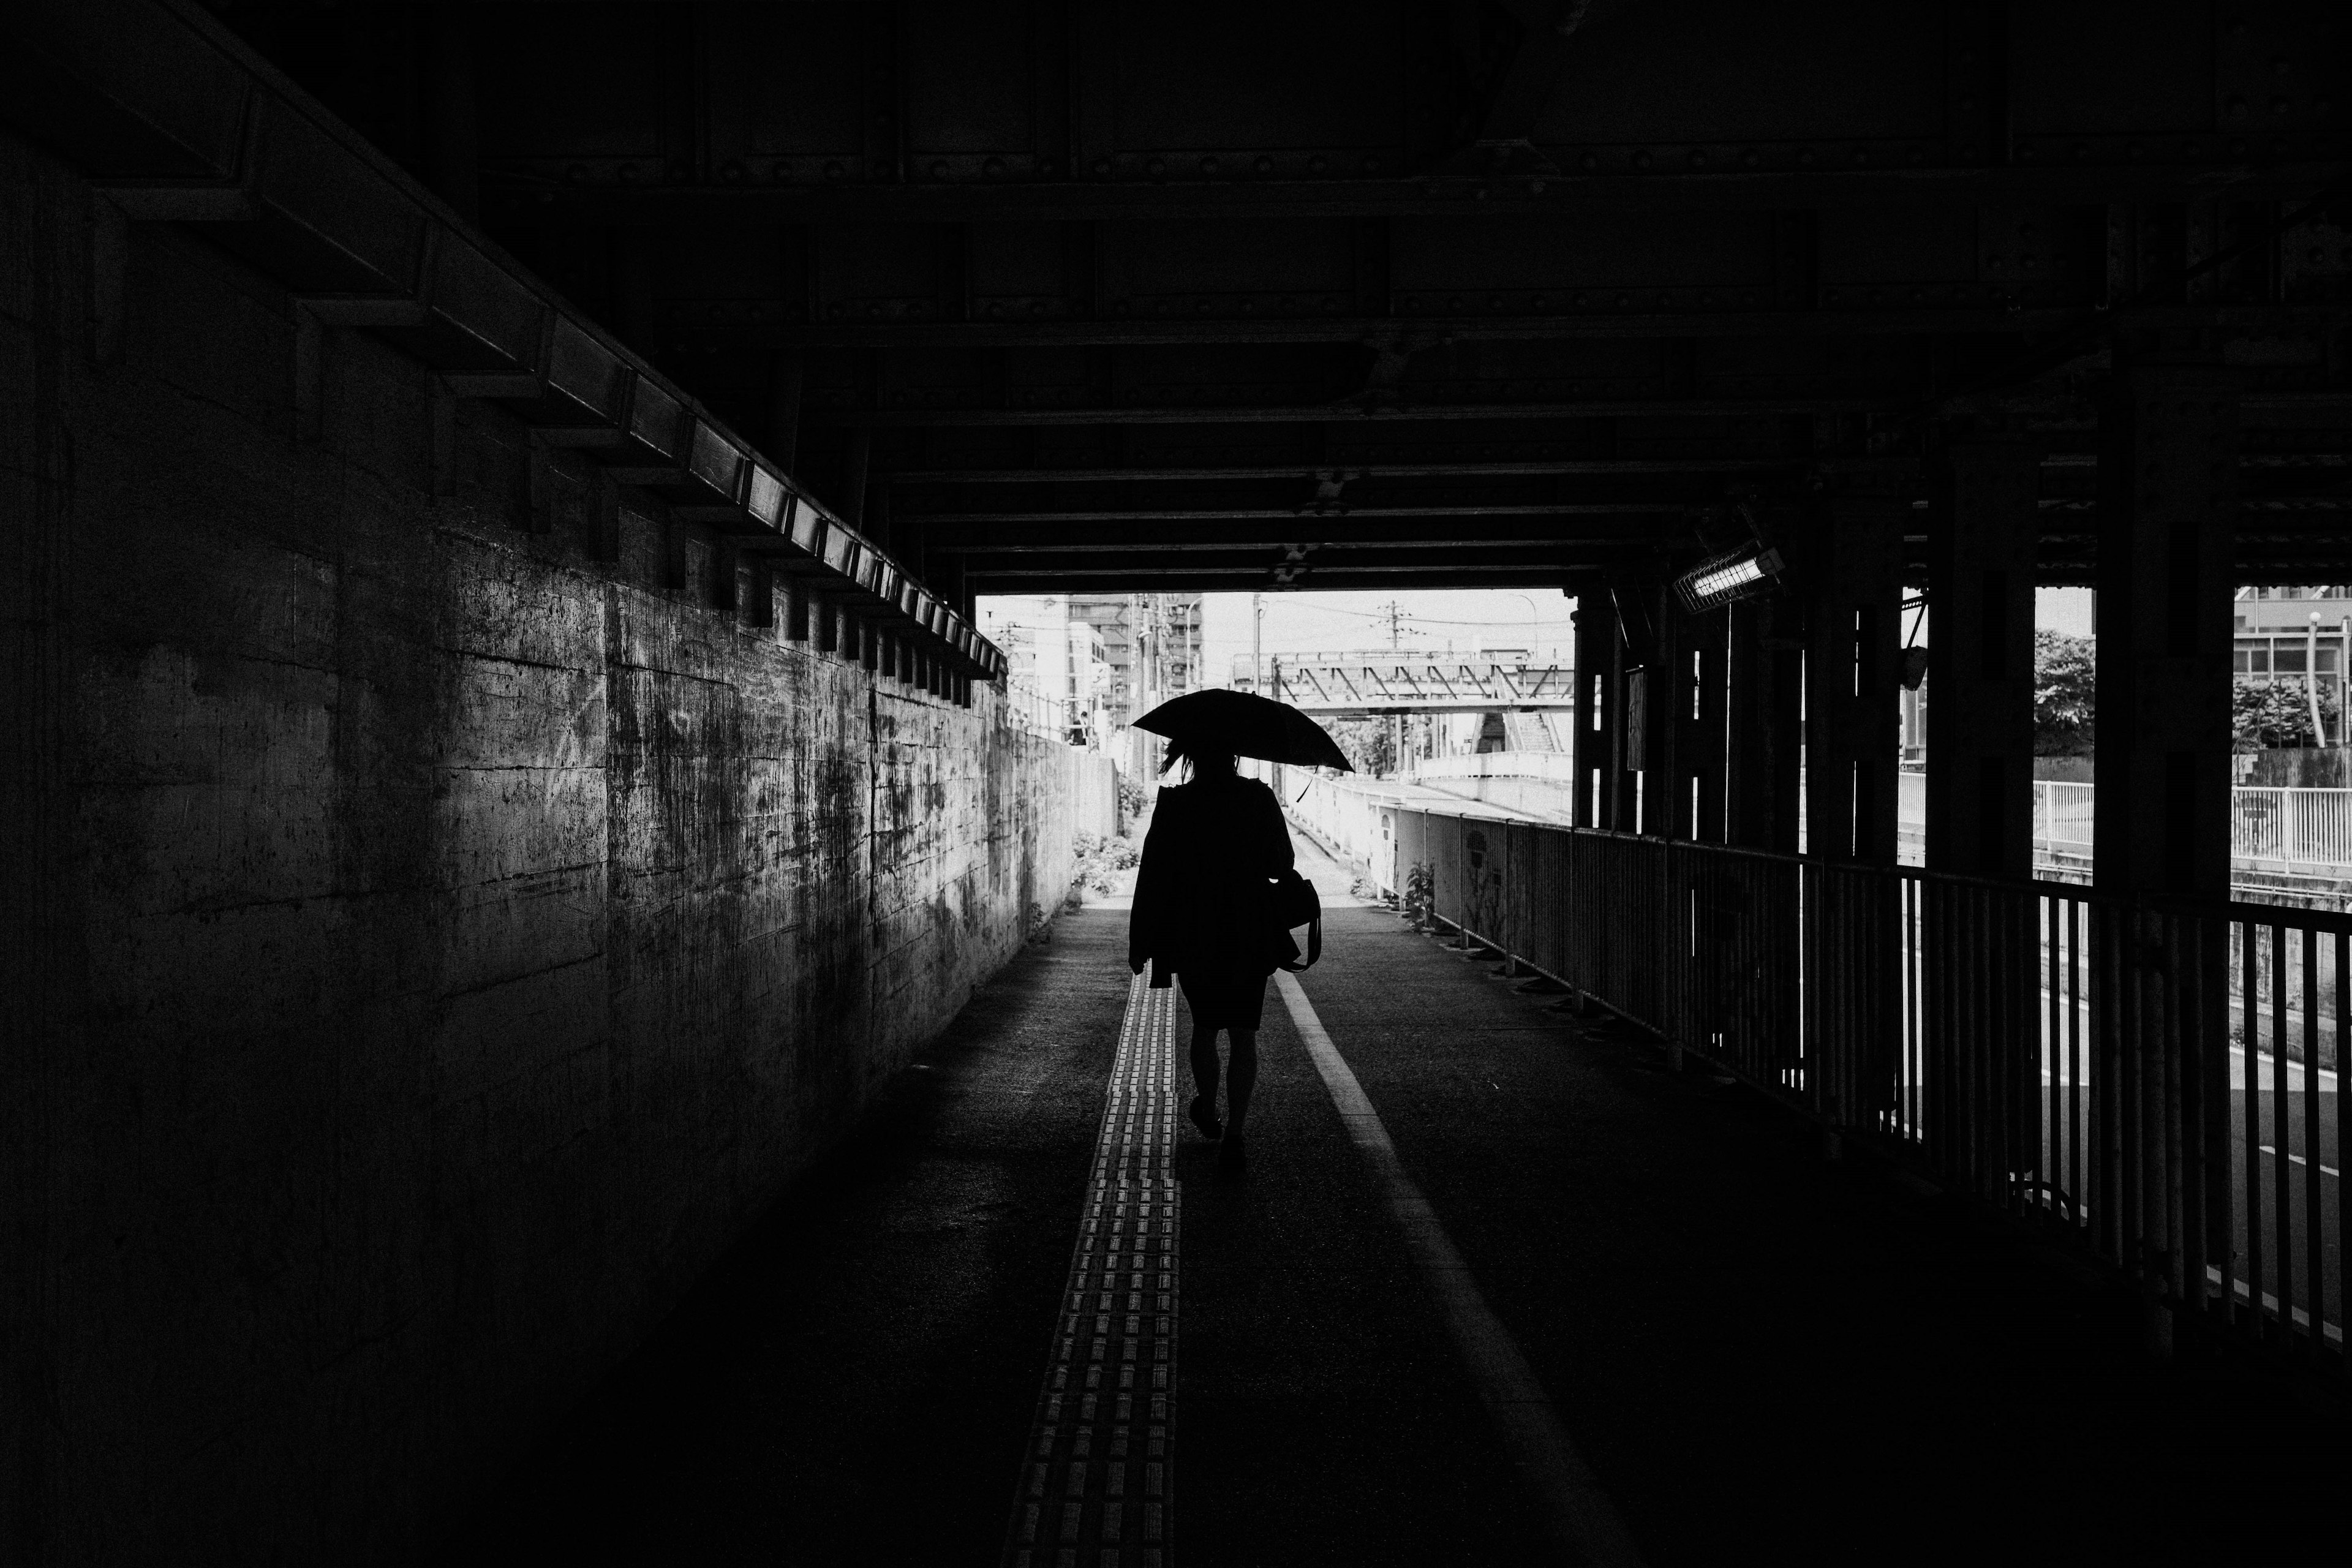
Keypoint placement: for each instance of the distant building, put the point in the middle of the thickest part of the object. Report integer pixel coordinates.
(2277, 633)
(1152, 645)
(1054, 663)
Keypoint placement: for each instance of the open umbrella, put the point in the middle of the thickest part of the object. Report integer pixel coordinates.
(1248, 725)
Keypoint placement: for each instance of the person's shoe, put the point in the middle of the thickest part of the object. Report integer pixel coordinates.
(1204, 1117)
(1232, 1153)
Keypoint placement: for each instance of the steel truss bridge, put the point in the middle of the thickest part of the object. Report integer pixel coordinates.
(1425, 686)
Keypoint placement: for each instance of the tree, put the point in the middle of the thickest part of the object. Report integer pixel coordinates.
(2063, 694)
(2279, 714)
(1367, 744)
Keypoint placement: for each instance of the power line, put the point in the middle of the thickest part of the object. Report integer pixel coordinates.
(1383, 614)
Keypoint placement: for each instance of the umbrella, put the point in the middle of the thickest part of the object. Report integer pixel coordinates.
(1248, 725)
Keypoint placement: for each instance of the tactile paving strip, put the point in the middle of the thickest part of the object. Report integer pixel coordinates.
(1097, 1483)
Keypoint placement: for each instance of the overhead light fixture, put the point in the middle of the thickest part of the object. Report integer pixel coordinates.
(1719, 580)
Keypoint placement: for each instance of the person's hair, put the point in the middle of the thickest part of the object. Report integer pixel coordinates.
(1205, 763)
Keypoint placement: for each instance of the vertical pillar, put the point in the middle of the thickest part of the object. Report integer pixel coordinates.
(2168, 517)
(1762, 731)
(1982, 1027)
(1666, 696)
(2168, 501)
(1851, 559)
(1620, 776)
(1698, 698)
(1594, 744)
(1981, 595)
(1852, 566)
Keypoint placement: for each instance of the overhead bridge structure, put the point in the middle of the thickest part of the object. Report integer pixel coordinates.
(1424, 686)
(505, 800)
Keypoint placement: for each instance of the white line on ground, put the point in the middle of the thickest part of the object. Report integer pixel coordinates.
(2323, 1170)
(1580, 1514)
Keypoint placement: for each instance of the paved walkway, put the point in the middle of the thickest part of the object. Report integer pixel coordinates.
(1745, 1353)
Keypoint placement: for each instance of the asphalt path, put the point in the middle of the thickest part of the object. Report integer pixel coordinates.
(1752, 1352)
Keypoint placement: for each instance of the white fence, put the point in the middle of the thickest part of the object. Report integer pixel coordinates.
(2304, 832)
(2291, 829)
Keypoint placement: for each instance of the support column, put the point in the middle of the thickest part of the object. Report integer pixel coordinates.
(1762, 726)
(1981, 979)
(2167, 514)
(1852, 583)
(2168, 520)
(1980, 715)
(1595, 740)
(1621, 776)
(1665, 697)
(1698, 720)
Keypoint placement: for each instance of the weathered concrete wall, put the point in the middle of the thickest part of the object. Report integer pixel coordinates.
(430, 940)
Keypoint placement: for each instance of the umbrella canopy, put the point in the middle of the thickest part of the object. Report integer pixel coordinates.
(1248, 725)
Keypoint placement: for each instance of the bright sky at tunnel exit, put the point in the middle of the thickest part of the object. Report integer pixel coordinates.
(1460, 622)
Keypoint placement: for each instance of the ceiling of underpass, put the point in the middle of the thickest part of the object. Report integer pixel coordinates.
(1415, 293)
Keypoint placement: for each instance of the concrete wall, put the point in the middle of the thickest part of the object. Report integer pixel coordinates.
(429, 939)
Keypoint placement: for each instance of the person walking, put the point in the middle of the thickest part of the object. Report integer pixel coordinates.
(1205, 916)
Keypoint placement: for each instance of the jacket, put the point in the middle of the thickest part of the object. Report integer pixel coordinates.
(1201, 894)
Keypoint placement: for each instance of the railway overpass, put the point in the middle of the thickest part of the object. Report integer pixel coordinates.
(1420, 685)
(526, 905)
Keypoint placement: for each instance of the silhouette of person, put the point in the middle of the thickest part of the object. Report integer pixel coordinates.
(1204, 914)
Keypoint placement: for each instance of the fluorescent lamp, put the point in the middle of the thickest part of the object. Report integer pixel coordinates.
(1739, 574)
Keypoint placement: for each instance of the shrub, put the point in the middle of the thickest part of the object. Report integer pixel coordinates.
(1421, 893)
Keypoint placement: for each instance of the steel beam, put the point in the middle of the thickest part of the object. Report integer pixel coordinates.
(1343, 415)
(1351, 471)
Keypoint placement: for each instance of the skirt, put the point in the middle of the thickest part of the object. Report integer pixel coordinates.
(1222, 997)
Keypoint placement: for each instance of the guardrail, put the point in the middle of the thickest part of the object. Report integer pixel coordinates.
(2156, 1084)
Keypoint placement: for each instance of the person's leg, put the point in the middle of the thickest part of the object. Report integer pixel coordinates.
(1204, 1078)
(1244, 1077)
(1204, 1061)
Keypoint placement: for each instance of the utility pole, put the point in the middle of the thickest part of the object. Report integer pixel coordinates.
(1396, 721)
(1135, 688)
(1257, 642)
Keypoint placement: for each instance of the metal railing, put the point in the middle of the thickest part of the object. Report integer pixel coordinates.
(1031, 710)
(1560, 767)
(2154, 1083)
